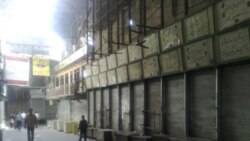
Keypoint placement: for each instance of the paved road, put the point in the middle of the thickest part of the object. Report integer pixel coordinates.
(41, 134)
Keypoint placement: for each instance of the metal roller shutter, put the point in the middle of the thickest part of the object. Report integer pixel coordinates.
(115, 108)
(154, 103)
(125, 103)
(98, 108)
(138, 108)
(63, 110)
(202, 104)
(175, 106)
(235, 103)
(91, 108)
(106, 108)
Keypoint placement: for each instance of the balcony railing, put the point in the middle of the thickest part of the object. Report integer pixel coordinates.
(66, 90)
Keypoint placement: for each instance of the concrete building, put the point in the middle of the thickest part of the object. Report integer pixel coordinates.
(175, 69)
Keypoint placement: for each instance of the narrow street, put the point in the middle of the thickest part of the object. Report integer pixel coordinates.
(41, 134)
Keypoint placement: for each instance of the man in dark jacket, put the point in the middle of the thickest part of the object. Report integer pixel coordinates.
(30, 123)
(83, 125)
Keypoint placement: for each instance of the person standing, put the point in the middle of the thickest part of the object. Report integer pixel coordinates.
(12, 120)
(23, 115)
(83, 125)
(18, 121)
(30, 123)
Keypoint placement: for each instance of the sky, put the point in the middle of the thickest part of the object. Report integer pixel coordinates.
(31, 19)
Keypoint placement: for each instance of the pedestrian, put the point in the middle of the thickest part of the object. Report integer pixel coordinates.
(83, 125)
(23, 115)
(18, 121)
(30, 123)
(37, 115)
(12, 120)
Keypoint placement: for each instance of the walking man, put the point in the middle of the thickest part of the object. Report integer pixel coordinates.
(83, 125)
(30, 123)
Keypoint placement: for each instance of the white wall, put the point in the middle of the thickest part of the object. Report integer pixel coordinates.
(79, 108)
(63, 110)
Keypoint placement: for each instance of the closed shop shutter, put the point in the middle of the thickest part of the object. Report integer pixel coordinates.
(64, 110)
(202, 104)
(138, 108)
(175, 106)
(115, 108)
(106, 108)
(91, 108)
(38, 105)
(154, 103)
(235, 103)
(98, 108)
(125, 103)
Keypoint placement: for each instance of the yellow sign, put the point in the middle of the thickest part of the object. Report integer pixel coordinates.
(40, 66)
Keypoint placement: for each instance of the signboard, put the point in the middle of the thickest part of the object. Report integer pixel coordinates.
(122, 56)
(73, 57)
(111, 77)
(89, 82)
(95, 81)
(103, 79)
(40, 66)
(95, 68)
(171, 36)
(17, 70)
(192, 3)
(88, 71)
(199, 54)
(112, 61)
(134, 53)
(122, 74)
(30, 48)
(152, 45)
(234, 45)
(150, 67)
(231, 12)
(199, 25)
(103, 64)
(171, 62)
(134, 71)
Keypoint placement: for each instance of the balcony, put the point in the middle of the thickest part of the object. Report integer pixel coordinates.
(67, 90)
(72, 58)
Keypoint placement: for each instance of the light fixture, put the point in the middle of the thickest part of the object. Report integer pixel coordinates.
(131, 22)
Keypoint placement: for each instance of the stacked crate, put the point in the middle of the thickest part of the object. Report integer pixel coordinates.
(54, 124)
(69, 127)
(50, 124)
(74, 127)
(60, 125)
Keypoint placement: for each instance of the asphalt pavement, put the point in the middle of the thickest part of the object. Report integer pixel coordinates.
(41, 134)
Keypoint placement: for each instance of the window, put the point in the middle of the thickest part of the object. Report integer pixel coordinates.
(84, 73)
(71, 77)
(57, 82)
(77, 74)
(54, 81)
(62, 80)
(66, 78)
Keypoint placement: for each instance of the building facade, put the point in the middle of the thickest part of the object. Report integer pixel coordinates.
(168, 69)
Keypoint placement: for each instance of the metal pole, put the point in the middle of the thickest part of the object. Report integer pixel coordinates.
(129, 15)
(162, 13)
(186, 3)
(1, 118)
